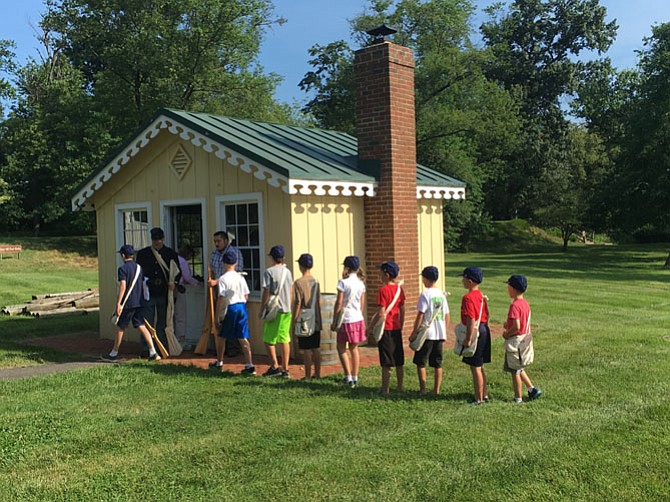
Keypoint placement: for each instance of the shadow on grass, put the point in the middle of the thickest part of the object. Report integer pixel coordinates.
(606, 263)
(15, 352)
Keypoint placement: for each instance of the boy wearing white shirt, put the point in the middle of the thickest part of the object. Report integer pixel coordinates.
(233, 294)
(431, 301)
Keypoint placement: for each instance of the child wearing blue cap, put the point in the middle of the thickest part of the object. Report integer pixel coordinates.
(128, 304)
(277, 282)
(349, 302)
(234, 324)
(307, 298)
(518, 324)
(431, 308)
(475, 316)
(390, 347)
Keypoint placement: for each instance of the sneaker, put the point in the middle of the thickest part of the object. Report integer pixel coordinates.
(535, 393)
(272, 372)
(248, 371)
(110, 358)
(353, 384)
(486, 399)
(155, 357)
(284, 374)
(215, 364)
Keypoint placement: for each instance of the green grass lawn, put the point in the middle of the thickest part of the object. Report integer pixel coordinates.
(46, 265)
(600, 432)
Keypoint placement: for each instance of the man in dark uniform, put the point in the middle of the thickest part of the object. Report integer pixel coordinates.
(155, 262)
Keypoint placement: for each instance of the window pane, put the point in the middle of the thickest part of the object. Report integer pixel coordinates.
(242, 214)
(253, 213)
(230, 215)
(253, 235)
(256, 258)
(242, 236)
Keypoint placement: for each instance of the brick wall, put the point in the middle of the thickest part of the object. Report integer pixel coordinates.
(385, 127)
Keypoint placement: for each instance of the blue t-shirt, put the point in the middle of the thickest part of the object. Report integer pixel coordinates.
(127, 273)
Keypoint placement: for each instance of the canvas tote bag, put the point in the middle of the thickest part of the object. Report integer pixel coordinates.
(461, 331)
(519, 351)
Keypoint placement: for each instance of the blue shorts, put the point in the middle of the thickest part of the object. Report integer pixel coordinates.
(136, 315)
(236, 323)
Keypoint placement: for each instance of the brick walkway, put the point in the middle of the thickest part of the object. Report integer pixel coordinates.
(89, 344)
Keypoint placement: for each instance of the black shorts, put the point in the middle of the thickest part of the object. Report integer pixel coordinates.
(136, 315)
(483, 353)
(391, 351)
(430, 353)
(310, 342)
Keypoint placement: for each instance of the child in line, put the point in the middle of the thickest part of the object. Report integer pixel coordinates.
(131, 310)
(472, 306)
(277, 331)
(518, 318)
(350, 298)
(233, 295)
(433, 305)
(308, 295)
(390, 347)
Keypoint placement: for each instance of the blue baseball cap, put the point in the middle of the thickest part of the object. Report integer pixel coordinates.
(127, 250)
(306, 260)
(230, 257)
(518, 282)
(352, 262)
(431, 273)
(391, 268)
(474, 274)
(277, 252)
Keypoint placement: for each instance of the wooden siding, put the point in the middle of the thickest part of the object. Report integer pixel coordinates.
(329, 228)
(431, 238)
(149, 178)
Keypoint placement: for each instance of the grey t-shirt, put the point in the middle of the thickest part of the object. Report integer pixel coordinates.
(272, 278)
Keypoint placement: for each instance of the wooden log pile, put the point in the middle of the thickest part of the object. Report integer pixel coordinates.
(57, 304)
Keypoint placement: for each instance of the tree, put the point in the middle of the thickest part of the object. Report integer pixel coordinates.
(535, 45)
(51, 141)
(466, 124)
(140, 55)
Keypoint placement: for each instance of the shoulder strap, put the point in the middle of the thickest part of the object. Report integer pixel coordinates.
(161, 262)
(528, 331)
(481, 310)
(313, 294)
(282, 280)
(395, 299)
(138, 271)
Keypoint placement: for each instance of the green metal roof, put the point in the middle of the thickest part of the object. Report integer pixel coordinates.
(298, 153)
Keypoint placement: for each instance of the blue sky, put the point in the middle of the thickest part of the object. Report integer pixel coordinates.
(312, 22)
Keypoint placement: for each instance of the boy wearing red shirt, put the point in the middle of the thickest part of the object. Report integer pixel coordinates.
(473, 306)
(391, 350)
(518, 318)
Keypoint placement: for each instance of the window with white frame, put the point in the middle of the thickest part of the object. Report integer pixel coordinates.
(133, 226)
(241, 216)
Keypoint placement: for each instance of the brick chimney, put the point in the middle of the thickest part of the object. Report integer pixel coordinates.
(385, 126)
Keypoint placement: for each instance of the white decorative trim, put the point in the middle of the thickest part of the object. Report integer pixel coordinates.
(291, 186)
(433, 192)
(333, 188)
(81, 199)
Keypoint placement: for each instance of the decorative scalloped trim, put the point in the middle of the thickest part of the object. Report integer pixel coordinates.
(433, 192)
(332, 188)
(304, 187)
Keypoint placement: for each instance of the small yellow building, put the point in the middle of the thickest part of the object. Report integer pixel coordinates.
(314, 191)
(193, 174)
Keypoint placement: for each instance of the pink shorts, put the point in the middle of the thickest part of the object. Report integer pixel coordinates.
(352, 332)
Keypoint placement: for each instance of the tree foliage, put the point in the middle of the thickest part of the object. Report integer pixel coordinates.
(103, 69)
(467, 125)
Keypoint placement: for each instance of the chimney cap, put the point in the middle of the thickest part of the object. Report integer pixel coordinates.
(381, 32)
